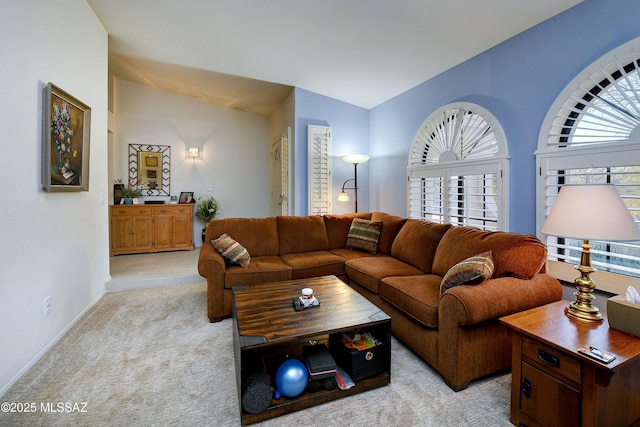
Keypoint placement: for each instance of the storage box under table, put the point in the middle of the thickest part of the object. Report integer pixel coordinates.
(360, 364)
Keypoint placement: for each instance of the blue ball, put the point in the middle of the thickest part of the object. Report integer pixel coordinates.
(292, 378)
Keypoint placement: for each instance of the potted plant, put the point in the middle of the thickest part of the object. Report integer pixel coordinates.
(206, 211)
(127, 193)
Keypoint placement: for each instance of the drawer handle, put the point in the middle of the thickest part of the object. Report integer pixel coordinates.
(548, 358)
(526, 387)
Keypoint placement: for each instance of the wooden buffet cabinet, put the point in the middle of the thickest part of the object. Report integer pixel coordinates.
(555, 385)
(150, 228)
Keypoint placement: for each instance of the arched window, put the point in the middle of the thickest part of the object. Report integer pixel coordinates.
(458, 168)
(591, 135)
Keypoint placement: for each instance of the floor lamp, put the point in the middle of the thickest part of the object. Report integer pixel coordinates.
(589, 212)
(354, 159)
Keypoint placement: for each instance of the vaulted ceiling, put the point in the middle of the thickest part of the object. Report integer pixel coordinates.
(248, 54)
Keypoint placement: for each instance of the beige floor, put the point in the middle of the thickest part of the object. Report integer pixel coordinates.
(142, 271)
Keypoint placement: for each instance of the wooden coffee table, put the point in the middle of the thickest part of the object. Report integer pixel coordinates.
(265, 324)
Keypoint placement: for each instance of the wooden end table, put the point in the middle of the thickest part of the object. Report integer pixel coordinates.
(266, 325)
(555, 385)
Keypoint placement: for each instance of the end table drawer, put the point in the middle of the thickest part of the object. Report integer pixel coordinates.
(551, 360)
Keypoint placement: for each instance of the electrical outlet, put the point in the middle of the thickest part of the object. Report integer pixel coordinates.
(210, 188)
(47, 306)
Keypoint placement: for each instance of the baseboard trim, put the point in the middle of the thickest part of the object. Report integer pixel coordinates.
(159, 282)
(47, 347)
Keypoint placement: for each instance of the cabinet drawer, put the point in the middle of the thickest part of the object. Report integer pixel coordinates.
(131, 211)
(171, 210)
(551, 360)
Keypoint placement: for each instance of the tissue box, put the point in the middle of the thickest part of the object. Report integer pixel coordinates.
(623, 315)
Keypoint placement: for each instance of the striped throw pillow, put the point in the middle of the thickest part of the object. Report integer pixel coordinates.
(231, 250)
(363, 235)
(471, 271)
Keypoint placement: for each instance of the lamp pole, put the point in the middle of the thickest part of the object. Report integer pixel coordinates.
(355, 159)
(355, 179)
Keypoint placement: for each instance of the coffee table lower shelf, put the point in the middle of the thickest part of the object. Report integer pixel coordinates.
(307, 400)
(265, 334)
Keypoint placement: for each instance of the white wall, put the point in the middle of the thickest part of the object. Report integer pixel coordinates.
(52, 244)
(234, 147)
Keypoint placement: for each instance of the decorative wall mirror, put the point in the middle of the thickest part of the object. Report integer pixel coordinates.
(150, 168)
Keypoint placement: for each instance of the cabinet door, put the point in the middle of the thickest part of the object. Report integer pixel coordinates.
(182, 231)
(121, 234)
(163, 232)
(547, 401)
(143, 233)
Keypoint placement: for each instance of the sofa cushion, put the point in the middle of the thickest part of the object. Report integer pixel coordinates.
(348, 254)
(314, 264)
(470, 271)
(302, 234)
(363, 235)
(514, 254)
(231, 250)
(263, 269)
(368, 271)
(416, 296)
(417, 241)
(338, 227)
(391, 225)
(258, 235)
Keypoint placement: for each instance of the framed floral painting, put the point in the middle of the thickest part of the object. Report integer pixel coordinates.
(65, 153)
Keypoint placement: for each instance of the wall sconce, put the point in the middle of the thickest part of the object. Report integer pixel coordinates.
(194, 153)
(355, 159)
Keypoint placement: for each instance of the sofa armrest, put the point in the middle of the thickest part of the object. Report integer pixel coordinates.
(211, 266)
(495, 298)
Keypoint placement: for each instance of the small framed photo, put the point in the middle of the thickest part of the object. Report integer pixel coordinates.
(151, 162)
(186, 197)
(65, 151)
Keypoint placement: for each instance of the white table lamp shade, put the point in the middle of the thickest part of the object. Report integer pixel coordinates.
(591, 212)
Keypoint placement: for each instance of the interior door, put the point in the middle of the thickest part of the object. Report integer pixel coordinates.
(280, 175)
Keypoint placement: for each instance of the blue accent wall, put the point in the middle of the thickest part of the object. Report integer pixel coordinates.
(350, 134)
(517, 81)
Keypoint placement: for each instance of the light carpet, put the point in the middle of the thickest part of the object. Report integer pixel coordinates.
(151, 358)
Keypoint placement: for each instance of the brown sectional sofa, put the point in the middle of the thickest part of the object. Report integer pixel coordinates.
(456, 332)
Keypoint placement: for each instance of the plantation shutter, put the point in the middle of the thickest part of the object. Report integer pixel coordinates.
(613, 166)
(319, 153)
(472, 200)
(426, 198)
(457, 195)
(284, 156)
(458, 169)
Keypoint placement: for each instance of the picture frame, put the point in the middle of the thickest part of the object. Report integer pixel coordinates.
(150, 168)
(66, 141)
(186, 197)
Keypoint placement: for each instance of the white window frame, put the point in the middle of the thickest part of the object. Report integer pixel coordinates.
(496, 165)
(554, 154)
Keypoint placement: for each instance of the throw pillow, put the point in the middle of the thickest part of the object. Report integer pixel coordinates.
(471, 271)
(363, 235)
(231, 250)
